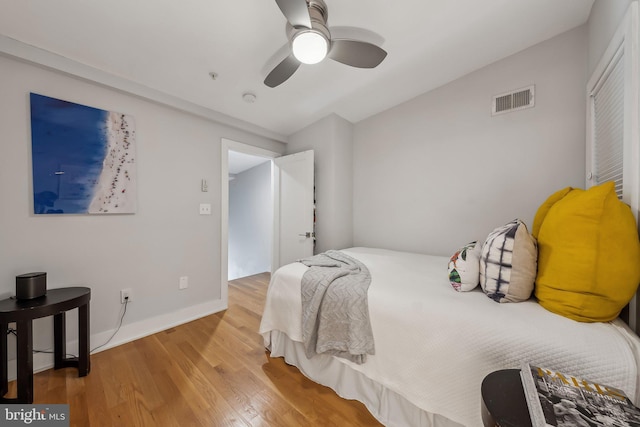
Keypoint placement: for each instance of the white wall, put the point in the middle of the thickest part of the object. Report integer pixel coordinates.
(331, 138)
(250, 222)
(603, 22)
(148, 251)
(439, 171)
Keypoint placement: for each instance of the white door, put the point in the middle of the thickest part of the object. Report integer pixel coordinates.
(293, 208)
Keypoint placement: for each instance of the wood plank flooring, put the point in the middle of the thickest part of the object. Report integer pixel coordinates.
(210, 372)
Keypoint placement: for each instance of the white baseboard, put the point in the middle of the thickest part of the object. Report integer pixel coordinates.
(127, 333)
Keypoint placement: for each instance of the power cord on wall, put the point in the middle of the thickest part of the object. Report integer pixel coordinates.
(124, 311)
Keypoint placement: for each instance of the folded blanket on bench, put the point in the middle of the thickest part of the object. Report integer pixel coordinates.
(335, 311)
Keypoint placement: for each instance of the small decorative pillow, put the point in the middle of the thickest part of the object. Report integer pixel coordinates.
(508, 263)
(464, 268)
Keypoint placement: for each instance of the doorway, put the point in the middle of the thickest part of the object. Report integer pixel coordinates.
(292, 201)
(248, 235)
(250, 215)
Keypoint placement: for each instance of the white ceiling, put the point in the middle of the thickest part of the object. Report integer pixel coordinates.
(172, 46)
(240, 162)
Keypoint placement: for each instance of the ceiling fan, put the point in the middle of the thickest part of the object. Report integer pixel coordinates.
(311, 42)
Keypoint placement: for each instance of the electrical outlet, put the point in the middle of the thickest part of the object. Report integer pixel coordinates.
(205, 208)
(184, 282)
(126, 295)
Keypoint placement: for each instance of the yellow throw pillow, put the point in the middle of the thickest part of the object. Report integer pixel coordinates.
(543, 210)
(588, 254)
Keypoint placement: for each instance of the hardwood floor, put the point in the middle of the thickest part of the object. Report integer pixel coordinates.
(210, 372)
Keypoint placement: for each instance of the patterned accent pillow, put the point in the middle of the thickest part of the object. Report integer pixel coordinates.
(508, 263)
(464, 268)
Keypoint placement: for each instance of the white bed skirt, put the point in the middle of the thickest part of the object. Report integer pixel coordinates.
(385, 405)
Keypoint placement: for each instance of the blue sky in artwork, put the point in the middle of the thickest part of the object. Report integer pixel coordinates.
(69, 143)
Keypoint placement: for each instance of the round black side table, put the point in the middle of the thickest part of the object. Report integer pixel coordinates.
(55, 303)
(503, 401)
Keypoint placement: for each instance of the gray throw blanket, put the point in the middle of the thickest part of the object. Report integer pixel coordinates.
(335, 310)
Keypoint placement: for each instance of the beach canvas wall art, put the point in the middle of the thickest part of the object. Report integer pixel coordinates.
(83, 159)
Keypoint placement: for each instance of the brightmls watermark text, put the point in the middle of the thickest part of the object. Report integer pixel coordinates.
(34, 415)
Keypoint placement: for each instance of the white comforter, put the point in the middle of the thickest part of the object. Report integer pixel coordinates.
(435, 345)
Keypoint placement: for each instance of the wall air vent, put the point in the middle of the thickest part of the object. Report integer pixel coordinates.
(515, 100)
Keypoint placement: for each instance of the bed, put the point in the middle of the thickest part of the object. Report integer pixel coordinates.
(430, 360)
(434, 344)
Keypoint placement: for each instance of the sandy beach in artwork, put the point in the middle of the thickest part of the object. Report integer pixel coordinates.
(115, 191)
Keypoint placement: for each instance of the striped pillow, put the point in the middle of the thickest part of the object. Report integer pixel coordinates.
(508, 263)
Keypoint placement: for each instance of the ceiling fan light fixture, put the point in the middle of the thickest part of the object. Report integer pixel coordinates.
(310, 47)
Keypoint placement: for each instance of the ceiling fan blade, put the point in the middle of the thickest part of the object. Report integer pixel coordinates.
(282, 71)
(296, 12)
(356, 53)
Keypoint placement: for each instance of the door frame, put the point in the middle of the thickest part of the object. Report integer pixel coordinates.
(226, 146)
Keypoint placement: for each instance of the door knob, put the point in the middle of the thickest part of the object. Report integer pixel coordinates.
(307, 234)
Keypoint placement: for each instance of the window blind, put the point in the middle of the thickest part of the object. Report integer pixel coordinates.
(608, 126)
